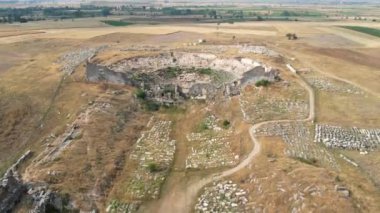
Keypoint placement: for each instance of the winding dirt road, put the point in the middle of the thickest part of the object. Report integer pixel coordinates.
(181, 199)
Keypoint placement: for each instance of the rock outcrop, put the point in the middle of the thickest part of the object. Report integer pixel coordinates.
(13, 189)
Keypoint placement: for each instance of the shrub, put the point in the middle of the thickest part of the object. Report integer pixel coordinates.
(152, 167)
(202, 127)
(226, 124)
(141, 94)
(262, 83)
(151, 106)
(204, 71)
(292, 36)
(173, 72)
(311, 161)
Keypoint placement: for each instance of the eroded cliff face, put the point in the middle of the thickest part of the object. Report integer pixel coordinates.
(173, 77)
(99, 73)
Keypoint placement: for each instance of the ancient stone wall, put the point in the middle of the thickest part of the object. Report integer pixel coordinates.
(150, 74)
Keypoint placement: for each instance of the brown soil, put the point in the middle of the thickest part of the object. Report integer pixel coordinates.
(371, 60)
(278, 178)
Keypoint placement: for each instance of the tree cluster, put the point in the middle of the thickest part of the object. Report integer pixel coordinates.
(292, 36)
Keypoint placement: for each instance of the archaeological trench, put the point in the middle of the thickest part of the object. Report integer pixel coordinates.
(172, 78)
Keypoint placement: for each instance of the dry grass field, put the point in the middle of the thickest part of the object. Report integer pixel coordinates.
(39, 103)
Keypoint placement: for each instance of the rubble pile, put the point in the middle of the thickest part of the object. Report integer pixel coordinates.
(211, 148)
(210, 151)
(71, 60)
(257, 106)
(325, 84)
(298, 138)
(224, 196)
(347, 138)
(299, 194)
(153, 154)
(262, 50)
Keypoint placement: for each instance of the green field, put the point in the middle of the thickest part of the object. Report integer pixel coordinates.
(367, 30)
(117, 23)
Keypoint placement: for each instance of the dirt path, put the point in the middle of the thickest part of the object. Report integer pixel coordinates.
(182, 198)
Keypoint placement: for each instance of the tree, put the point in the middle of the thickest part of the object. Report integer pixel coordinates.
(259, 18)
(289, 35)
(212, 14)
(106, 12)
(285, 13)
(78, 13)
(23, 20)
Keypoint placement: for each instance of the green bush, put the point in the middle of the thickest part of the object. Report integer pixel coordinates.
(173, 72)
(202, 127)
(226, 124)
(311, 161)
(205, 71)
(151, 106)
(262, 83)
(140, 94)
(152, 167)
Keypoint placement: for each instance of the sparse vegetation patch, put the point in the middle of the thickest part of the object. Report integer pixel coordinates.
(262, 83)
(366, 30)
(116, 23)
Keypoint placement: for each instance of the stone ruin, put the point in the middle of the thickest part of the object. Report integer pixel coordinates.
(298, 138)
(347, 138)
(173, 77)
(330, 85)
(224, 196)
(153, 154)
(71, 60)
(211, 148)
(258, 104)
(262, 50)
